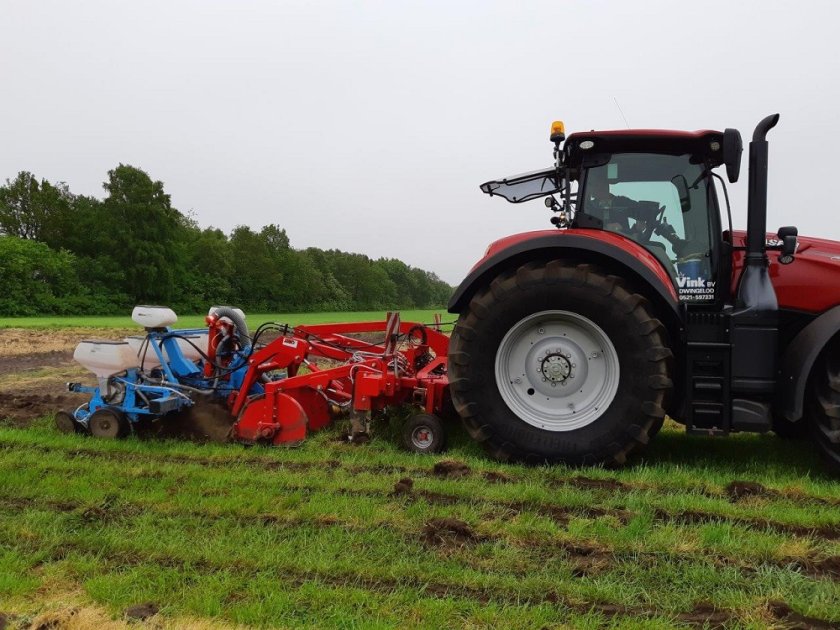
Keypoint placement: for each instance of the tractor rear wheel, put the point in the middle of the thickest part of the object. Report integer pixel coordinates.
(787, 430)
(108, 423)
(560, 362)
(824, 405)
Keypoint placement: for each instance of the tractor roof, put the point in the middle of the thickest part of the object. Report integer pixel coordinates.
(706, 144)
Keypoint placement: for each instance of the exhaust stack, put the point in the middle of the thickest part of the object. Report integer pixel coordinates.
(755, 291)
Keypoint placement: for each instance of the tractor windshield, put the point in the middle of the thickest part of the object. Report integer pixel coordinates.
(664, 203)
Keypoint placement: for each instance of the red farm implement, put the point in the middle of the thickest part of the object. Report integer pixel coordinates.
(275, 391)
(360, 376)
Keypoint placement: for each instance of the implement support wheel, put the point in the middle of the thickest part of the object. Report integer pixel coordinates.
(66, 423)
(424, 433)
(108, 423)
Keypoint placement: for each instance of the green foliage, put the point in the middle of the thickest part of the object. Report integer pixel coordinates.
(34, 210)
(144, 235)
(35, 279)
(72, 254)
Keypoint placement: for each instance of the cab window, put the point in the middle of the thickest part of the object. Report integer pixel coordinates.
(663, 203)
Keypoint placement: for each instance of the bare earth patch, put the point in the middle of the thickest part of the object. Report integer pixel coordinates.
(34, 367)
(448, 532)
(142, 611)
(450, 468)
(404, 486)
(738, 490)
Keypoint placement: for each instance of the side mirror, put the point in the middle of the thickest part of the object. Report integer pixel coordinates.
(733, 146)
(681, 185)
(787, 230)
(788, 236)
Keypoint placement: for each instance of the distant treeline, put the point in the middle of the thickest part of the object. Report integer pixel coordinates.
(69, 254)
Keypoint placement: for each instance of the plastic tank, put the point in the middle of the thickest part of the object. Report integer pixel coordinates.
(136, 343)
(154, 316)
(105, 358)
(190, 349)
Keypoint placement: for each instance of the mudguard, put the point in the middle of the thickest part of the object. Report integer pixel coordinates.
(799, 358)
(618, 254)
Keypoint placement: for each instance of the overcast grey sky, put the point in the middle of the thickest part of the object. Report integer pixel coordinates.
(368, 126)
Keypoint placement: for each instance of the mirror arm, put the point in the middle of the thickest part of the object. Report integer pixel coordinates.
(567, 192)
(725, 196)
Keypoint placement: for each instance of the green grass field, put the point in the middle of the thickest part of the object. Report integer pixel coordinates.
(317, 536)
(197, 321)
(698, 532)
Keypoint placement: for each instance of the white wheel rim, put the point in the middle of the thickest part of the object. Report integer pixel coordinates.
(557, 370)
(422, 437)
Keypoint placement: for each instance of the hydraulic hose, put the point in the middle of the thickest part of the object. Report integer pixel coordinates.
(236, 318)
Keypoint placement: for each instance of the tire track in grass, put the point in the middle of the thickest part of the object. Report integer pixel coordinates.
(562, 515)
(604, 486)
(558, 513)
(295, 577)
(703, 614)
(584, 557)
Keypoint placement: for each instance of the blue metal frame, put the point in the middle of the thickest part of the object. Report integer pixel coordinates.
(176, 369)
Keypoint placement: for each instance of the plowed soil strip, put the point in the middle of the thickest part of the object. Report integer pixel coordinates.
(694, 517)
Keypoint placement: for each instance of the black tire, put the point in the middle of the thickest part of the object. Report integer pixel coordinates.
(824, 406)
(643, 360)
(787, 430)
(424, 433)
(447, 408)
(108, 423)
(66, 423)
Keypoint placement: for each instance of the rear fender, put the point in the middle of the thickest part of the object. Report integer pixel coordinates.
(798, 361)
(614, 253)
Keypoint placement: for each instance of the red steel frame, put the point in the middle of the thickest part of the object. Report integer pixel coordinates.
(369, 377)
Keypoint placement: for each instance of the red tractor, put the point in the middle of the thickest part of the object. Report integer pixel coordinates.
(573, 344)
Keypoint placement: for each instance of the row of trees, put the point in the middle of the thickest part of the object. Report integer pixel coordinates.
(62, 253)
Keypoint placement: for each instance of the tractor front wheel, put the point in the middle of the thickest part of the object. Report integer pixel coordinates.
(560, 362)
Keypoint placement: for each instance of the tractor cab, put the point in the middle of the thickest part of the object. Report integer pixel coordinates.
(652, 186)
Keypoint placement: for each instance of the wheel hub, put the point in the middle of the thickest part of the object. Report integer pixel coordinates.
(422, 437)
(555, 368)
